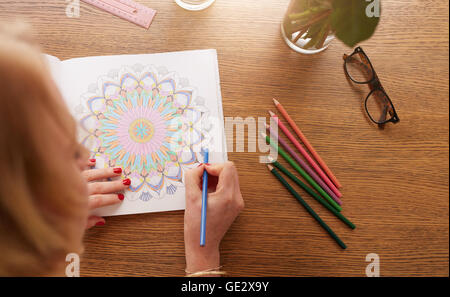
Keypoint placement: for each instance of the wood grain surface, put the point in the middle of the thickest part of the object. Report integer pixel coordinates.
(395, 181)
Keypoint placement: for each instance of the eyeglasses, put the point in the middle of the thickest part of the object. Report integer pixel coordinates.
(378, 106)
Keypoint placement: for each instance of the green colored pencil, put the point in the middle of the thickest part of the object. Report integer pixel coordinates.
(307, 207)
(302, 173)
(313, 194)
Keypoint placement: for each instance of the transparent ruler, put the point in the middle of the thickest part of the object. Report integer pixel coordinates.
(126, 9)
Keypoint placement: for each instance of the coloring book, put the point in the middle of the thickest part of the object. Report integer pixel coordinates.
(151, 114)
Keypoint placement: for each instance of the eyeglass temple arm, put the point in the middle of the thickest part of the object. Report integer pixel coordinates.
(383, 114)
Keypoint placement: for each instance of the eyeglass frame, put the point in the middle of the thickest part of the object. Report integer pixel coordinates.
(374, 85)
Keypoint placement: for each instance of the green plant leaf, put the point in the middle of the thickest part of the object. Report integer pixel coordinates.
(350, 22)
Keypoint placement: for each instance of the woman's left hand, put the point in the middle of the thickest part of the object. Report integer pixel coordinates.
(103, 193)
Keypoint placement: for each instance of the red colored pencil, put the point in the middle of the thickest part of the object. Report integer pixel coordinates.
(307, 144)
(303, 164)
(308, 158)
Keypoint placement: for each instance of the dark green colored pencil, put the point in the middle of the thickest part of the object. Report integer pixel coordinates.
(307, 207)
(305, 175)
(313, 194)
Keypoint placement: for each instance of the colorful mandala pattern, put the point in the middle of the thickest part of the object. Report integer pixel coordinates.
(147, 124)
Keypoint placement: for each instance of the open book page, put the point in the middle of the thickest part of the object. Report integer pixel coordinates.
(151, 115)
(55, 68)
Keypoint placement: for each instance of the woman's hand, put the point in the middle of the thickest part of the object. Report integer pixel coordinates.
(103, 193)
(224, 204)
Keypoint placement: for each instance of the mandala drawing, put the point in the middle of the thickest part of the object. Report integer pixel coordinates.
(148, 123)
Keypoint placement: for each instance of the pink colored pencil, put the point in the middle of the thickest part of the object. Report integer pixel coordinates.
(306, 142)
(319, 171)
(303, 164)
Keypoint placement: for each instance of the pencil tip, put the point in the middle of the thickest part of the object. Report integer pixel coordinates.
(271, 113)
(266, 126)
(270, 167)
(263, 134)
(275, 101)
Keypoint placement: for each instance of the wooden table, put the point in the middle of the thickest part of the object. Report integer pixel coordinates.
(395, 181)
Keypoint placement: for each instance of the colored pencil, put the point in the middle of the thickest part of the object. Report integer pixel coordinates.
(302, 172)
(307, 207)
(306, 155)
(312, 193)
(307, 143)
(204, 201)
(303, 164)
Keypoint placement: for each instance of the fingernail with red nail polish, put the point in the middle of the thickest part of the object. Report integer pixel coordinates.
(92, 160)
(207, 164)
(117, 170)
(126, 182)
(121, 196)
(199, 164)
(101, 223)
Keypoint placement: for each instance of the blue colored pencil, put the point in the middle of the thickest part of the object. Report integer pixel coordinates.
(204, 201)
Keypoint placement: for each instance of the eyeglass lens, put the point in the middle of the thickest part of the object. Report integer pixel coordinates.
(379, 107)
(358, 68)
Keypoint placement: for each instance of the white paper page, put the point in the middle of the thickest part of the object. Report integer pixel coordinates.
(55, 68)
(185, 90)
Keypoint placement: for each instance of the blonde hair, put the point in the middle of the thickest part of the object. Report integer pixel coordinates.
(38, 201)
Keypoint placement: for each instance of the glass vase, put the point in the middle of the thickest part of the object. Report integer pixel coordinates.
(306, 26)
(194, 4)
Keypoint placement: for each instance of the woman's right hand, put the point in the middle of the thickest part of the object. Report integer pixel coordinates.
(225, 202)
